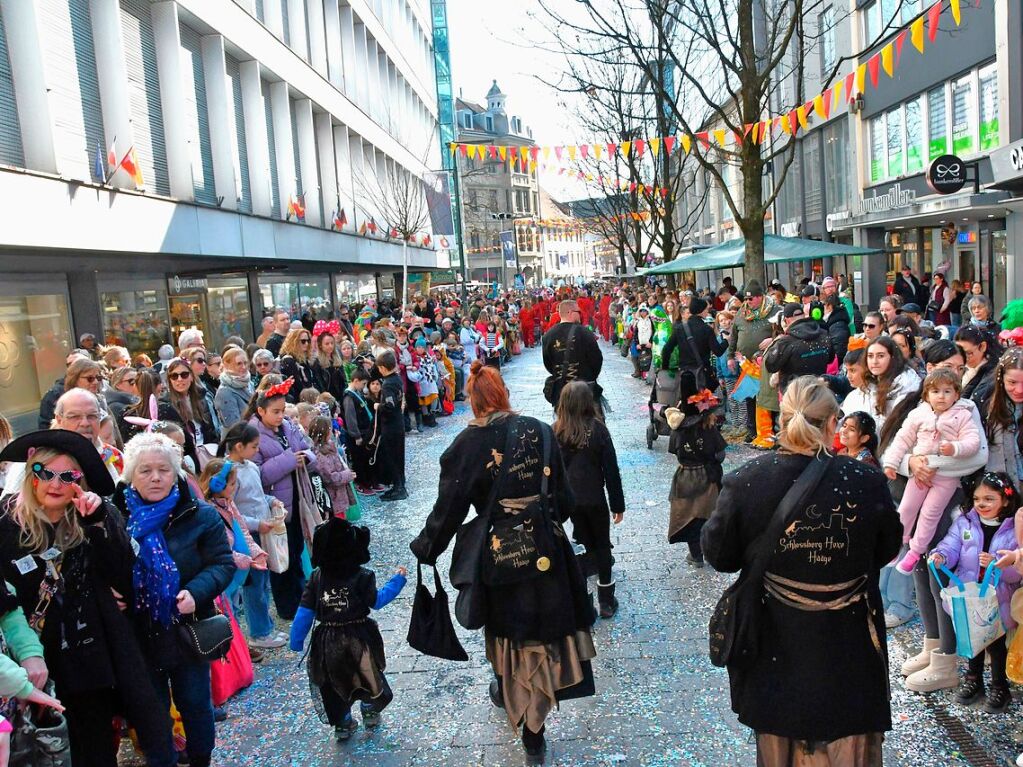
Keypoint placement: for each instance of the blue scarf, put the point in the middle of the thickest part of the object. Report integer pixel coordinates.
(154, 577)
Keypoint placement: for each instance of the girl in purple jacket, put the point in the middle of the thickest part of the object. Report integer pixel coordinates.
(974, 541)
(281, 449)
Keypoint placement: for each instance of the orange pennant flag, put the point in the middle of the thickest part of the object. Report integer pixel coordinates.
(956, 12)
(686, 142)
(655, 146)
(503, 152)
(801, 116)
(861, 79)
(916, 34)
(826, 99)
(719, 136)
(626, 146)
(887, 59)
(818, 106)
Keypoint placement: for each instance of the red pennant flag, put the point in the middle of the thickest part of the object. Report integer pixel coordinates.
(557, 151)
(669, 143)
(463, 150)
(612, 148)
(874, 66)
(704, 138)
(534, 152)
(899, 42)
(633, 186)
(850, 91)
(639, 145)
(933, 18)
(584, 150)
(827, 102)
(492, 151)
(793, 122)
(664, 192)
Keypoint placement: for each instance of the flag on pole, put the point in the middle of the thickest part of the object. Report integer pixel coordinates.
(97, 167)
(340, 220)
(130, 164)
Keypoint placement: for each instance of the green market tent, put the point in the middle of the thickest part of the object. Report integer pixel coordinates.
(776, 250)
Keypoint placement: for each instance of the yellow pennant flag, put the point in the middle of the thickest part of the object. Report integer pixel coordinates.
(532, 166)
(472, 151)
(818, 106)
(502, 151)
(801, 116)
(571, 153)
(589, 177)
(786, 124)
(687, 143)
(888, 59)
(839, 85)
(655, 146)
(916, 34)
(523, 152)
(598, 150)
(546, 153)
(956, 13)
(861, 78)
(626, 146)
(719, 135)
(453, 147)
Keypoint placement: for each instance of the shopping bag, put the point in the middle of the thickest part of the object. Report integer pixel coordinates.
(234, 672)
(976, 616)
(308, 511)
(275, 544)
(430, 629)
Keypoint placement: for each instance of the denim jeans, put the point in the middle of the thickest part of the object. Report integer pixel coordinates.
(256, 599)
(189, 683)
(897, 592)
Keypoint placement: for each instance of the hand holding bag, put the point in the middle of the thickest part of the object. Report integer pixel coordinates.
(430, 629)
(275, 544)
(735, 621)
(308, 511)
(208, 639)
(976, 615)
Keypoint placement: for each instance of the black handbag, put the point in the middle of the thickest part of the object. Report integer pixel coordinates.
(430, 629)
(208, 639)
(735, 623)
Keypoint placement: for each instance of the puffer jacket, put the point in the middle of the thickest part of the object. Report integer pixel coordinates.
(277, 465)
(805, 350)
(230, 402)
(961, 548)
(923, 431)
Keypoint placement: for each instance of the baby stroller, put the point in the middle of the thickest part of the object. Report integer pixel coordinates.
(663, 394)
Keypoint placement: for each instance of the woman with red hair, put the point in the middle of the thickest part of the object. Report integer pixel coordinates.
(513, 565)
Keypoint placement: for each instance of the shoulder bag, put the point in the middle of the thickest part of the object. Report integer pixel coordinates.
(430, 629)
(735, 623)
(699, 369)
(207, 639)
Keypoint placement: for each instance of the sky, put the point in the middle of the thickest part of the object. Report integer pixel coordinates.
(491, 40)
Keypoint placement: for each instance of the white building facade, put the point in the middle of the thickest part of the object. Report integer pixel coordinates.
(238, 114)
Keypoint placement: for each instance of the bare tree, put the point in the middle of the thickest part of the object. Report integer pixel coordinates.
(737, 62)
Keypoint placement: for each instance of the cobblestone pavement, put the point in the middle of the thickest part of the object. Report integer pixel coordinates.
(659, 700)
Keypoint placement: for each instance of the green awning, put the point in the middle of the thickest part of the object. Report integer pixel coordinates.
(776, 250)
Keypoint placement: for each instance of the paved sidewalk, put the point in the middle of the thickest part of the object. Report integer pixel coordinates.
(659, 700)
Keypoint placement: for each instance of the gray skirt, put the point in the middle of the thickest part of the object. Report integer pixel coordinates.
(693, 496)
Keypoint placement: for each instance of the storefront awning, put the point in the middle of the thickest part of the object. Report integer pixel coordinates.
(776, 250)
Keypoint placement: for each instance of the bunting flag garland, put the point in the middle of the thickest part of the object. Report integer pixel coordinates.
(844, 90)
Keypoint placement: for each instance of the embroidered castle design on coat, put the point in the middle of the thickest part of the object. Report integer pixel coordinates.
(820, 541)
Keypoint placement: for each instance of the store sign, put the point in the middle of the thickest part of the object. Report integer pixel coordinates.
(967, 238)
(179, 285)
(947, 174)
(1007, 163)
(833, 218)
(895, 197)
(791, 229)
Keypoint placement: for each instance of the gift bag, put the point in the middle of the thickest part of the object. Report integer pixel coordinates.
(430, 629)
(275, 544)
(976, 616)
(234, 672)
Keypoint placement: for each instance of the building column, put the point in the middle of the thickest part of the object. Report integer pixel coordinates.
(297, 28)
(256, 144)
(343, 167)
(317, 38)
(273, 18)
(357, 163)
(328, 169)
(25, 51)
(357, 76)
(1009, 49)
(306, 139)
(280, 109)
(219, 103)
(113, 80)
(348, 49)
(172, 96)
(332, 21)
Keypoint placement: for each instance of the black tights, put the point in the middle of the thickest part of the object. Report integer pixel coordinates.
(337, 708)
(937, 622)
(999, 652)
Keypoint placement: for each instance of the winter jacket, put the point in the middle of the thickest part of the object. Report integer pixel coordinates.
(570, 353)
(847, 531)
(804, 350)
(336, 476)
(358, 415)
(748, 333)
(961, 549)
(865, 400)
(837, 325)
(303, 374)
(643, 331)
(118, 401)
(252, 502)
(277, 465)
(48, 404)
(330, 378)
(923, 431)
(594, 467)
(981, 385)
(208, 397)
(230, 402)
(1003, 452)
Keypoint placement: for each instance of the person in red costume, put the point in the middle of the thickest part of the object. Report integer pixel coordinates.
(526, 324)
(586, 306)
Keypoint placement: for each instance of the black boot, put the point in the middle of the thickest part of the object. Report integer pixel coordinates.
(419, 421)
(496, 695)
(534, 744)
(971, 689)
(396, 493)
(998, 698)
(606, 599)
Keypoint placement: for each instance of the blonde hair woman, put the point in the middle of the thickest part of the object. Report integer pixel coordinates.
(297, 362)
(57, 532)
(813, 684)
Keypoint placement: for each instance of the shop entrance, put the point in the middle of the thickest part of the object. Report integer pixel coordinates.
(968, 271)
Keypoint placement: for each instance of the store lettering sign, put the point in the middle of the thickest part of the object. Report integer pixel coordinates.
(180, 285)
(790, 229)
(1016, 157)
(833, 218)
(895, 197)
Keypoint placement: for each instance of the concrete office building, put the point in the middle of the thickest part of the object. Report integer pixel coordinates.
(234, 109)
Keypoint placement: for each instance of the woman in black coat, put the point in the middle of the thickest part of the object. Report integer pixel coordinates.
(704, 338)
(297, 362)
(819, 681)
(546, 615)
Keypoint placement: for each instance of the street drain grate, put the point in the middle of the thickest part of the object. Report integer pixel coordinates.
(972, 751)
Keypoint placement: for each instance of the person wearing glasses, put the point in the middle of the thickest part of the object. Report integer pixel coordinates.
(198, 419)
(199, 360)
(873, 326)
(297, 362)
(78, 364)
(123, 391)
(570, 353)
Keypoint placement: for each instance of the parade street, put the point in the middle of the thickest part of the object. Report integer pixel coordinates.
(659, 701)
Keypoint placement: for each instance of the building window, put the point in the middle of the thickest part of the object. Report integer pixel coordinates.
(962, 116)
(836, 164)
(910, 10)
(490, 124)
(989, 138)
(136, 320)
(827, 35)
(877, 149)
(872, 22)
(937, 124)
(889, 15)
(914, 136)
(894, 132)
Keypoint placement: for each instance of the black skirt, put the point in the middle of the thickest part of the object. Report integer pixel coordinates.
(349, 658)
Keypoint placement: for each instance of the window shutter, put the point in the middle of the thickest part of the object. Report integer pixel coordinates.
(241, 165)
(144, 95)
(198, 117)
(10, 130)
(275, 187)
(70, 62)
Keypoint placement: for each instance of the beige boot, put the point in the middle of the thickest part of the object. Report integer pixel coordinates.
(922, 659)
(940, 674)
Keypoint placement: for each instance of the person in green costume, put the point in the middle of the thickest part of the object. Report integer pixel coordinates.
(662, 332)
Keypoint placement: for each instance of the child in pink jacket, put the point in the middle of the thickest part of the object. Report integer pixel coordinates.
(942, 424)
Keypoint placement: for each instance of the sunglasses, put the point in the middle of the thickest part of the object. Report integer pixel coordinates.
(184, 375)
(130, 381)
(90, 379)
(43, 474)
(869, 325)
(199, 361)
(303, 341)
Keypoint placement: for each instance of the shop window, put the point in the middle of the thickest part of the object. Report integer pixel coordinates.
(963, 132)
(989, 107)
(227, 302)
(836, 163)
(894, 134)
(877, 149)
(937, 124)
(914, 136)
(35, 337)
(137, 320)
(356, 289)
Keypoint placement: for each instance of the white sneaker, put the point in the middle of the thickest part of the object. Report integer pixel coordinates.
(1019, 761)
(271, 642)
(891, 620)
